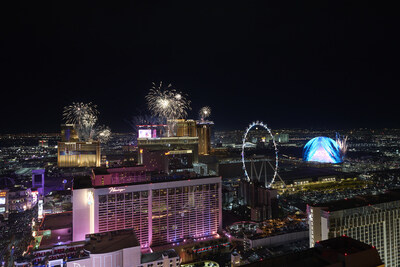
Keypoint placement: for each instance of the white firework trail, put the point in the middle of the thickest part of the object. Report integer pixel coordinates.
(86, 128)
(79, 111)
(168, 104)
(84, 116)
(204, 112)
(342, 143)
(103, 134)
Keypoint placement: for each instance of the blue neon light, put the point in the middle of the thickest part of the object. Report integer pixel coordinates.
(322, 149)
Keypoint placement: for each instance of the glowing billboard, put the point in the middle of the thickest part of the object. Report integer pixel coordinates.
(145, 133)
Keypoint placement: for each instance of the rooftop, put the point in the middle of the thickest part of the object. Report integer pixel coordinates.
(111, 241)
(360, 201)
(157, 256)
(57, 221)
(329, 253)
(342, 245)
(105, 171)
(54, 239)
(82, 182)
(313, 172)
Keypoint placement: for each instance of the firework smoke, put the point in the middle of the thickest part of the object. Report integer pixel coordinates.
(204, 112)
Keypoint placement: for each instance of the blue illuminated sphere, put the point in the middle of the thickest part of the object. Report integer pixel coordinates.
(322, 149)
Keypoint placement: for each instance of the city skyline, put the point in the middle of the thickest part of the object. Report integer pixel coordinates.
(315, 66)
(179, 135)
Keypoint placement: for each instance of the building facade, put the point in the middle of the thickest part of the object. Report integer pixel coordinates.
(79, 154)
(115, 248)
(17, 199)
(161, 212)
(204, 134)
(374, 220)
(124, 175)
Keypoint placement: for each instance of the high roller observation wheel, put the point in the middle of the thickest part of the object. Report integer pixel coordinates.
(251, 126)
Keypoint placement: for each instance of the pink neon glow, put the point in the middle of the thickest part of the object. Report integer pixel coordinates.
(321, 155)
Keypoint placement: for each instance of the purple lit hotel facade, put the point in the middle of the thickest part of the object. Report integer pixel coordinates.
(162, 212)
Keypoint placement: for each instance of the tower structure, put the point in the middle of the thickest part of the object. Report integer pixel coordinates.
(38, 180)
(370, 219)
(162, 211)
(204, 134)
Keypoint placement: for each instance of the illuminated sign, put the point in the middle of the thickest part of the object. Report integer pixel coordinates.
(2, 200)
(145, 133)
(34, 197)
(116, 190)
(90, 198)
(40, 209)
(2, 209)
(3, 193)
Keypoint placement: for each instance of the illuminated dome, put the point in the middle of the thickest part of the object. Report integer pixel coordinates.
(322, 149)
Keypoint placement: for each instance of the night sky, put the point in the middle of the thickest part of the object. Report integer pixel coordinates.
(304, 64)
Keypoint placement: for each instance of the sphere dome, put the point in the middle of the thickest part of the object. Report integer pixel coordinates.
(322, 149)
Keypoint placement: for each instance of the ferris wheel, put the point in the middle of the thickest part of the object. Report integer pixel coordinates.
(273, 165)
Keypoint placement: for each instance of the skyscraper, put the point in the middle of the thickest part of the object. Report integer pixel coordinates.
(74, 153)
(204, 134)
(373, 220)
(79, 154)
(162, 211)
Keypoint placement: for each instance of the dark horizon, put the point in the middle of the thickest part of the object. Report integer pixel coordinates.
(319, 65)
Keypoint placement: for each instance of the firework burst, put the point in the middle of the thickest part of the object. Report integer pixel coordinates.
(78, 112)
(342, 143)
(204, 112)
(86, 128)
(103, 133)
(167, 103)
(84, 116)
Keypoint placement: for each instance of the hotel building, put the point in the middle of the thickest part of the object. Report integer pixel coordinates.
(173, 153)
(79, 154)
(118, 248)
(374, 220)
(161, 211)
(73, 153)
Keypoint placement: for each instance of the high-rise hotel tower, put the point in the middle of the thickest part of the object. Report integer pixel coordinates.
(374, 220)
(161, 210)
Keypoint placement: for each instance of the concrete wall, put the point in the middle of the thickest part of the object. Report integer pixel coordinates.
(82, 214)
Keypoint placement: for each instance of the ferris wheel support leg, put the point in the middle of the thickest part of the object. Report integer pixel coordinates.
(265, 174)
(277, 174)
